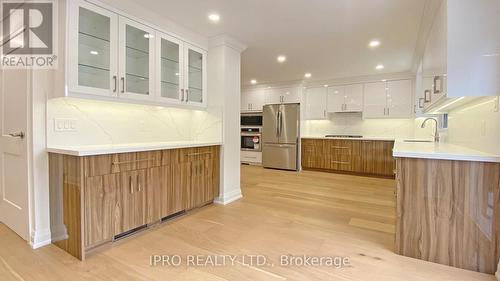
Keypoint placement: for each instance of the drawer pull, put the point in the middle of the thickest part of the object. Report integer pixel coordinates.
(199, 153)
(340, 162)
(340, 147)
(131, 161)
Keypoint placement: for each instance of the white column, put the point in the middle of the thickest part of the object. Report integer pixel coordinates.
(224, 57)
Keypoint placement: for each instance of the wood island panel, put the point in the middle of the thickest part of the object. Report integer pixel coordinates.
(448, 212)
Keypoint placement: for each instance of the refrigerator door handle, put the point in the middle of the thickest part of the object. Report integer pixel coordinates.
(280, 123)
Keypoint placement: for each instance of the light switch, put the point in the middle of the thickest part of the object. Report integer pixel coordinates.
(65, 125)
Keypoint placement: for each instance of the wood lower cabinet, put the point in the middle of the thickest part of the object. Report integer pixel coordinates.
(370, 157)
(97, 198)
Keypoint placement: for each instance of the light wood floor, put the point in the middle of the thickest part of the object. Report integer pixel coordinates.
(281, 213)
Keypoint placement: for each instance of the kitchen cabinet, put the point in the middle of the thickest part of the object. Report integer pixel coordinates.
(282, 95)
(316, 103)
(347, 98)
(392, 99)
(253, 100)
(364, 157)
(116, 58)
(101, 198)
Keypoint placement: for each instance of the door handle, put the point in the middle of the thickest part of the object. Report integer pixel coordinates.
(123, 84)
(20, 135)
(182, 94)
(114, 83)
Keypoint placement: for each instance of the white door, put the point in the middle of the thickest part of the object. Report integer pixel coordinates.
(93, 50)
(336, 99)
(273, 96)
(399, 99)
(256, 99)
(14, 89)
(316, 104)
(354, 98)
(375, 100)
(137, 47)
(290, 95)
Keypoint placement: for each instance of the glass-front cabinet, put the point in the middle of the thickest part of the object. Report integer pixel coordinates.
(195, 75)
(136, 60)
(92, 62)
(113, 56)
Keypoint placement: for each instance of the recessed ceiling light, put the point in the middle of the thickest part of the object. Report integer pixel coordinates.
(384, 80)
(307, 75)
(374, 43)
(281, 59)
(326, 86)
(214, 17)
(253, 81)
(379, 66)
(95, 53)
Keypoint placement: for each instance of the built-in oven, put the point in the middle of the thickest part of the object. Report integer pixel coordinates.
(251, 138)
(251, 119)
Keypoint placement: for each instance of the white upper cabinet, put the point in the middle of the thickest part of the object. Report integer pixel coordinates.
(115, 57)
(93, 49)
(399, 99)
(393, 99)
(282, 95)
(136, 52)
(253, 100)
(345, 98)
(169, 64)
(316, 103)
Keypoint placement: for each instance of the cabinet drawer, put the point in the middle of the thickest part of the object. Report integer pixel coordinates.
(122, 162)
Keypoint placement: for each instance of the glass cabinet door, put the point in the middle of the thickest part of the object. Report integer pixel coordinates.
(92, 55)
(196, 71)
(169, 68)
(136, 59)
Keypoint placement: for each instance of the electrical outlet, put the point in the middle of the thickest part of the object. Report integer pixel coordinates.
(65, 125)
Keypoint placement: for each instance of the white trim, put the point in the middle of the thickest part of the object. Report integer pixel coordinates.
(224, 40)
(229, 198)
(40, 238)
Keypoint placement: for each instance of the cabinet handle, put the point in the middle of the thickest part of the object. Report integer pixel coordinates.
(139, 187)
(340, 162)
(182, 94)
(123, 84)
(132, 161)
(187, 95)
(324, 113)
(388, 111)
(130, 185)
(114, 83)
(199, 153)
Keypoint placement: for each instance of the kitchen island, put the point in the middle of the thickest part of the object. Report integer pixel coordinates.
(448, 205)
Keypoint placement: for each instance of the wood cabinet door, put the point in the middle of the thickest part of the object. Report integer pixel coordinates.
(173, 189)
(154, 189)
(130, 211)
(377, 158)
(99, 202)
(313, 156)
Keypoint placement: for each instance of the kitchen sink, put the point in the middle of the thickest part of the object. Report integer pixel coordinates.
(418, 141)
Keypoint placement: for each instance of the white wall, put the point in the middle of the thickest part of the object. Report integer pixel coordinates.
(476, 125)
(102, 122)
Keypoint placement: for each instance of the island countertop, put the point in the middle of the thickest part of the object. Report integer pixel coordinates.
(442, 151)
(90, 150)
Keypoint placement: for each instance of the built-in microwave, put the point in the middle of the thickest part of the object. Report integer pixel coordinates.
(251, 120)
(251, 139)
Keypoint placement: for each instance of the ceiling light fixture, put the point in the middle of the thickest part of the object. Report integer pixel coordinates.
(307, 75)
(379, 66)
(281, 59)
(374, 43)
(326, 86)
(214, 17)
(253, 81)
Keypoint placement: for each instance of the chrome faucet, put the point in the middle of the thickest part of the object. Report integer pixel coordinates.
(436, 135)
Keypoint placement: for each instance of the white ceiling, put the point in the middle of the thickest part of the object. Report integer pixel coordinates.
(328, 38)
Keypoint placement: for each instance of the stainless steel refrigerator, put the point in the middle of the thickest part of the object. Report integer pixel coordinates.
(280, 136)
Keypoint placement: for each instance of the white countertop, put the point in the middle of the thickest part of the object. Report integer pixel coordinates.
(443, 151)
(374, 138)
(88, 150)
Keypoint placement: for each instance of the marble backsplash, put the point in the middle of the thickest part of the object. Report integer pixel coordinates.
(354, 124)
(476, 125)
(104, 122)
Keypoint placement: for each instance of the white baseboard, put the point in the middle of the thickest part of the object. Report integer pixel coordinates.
(228, 198)
(40, 238)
